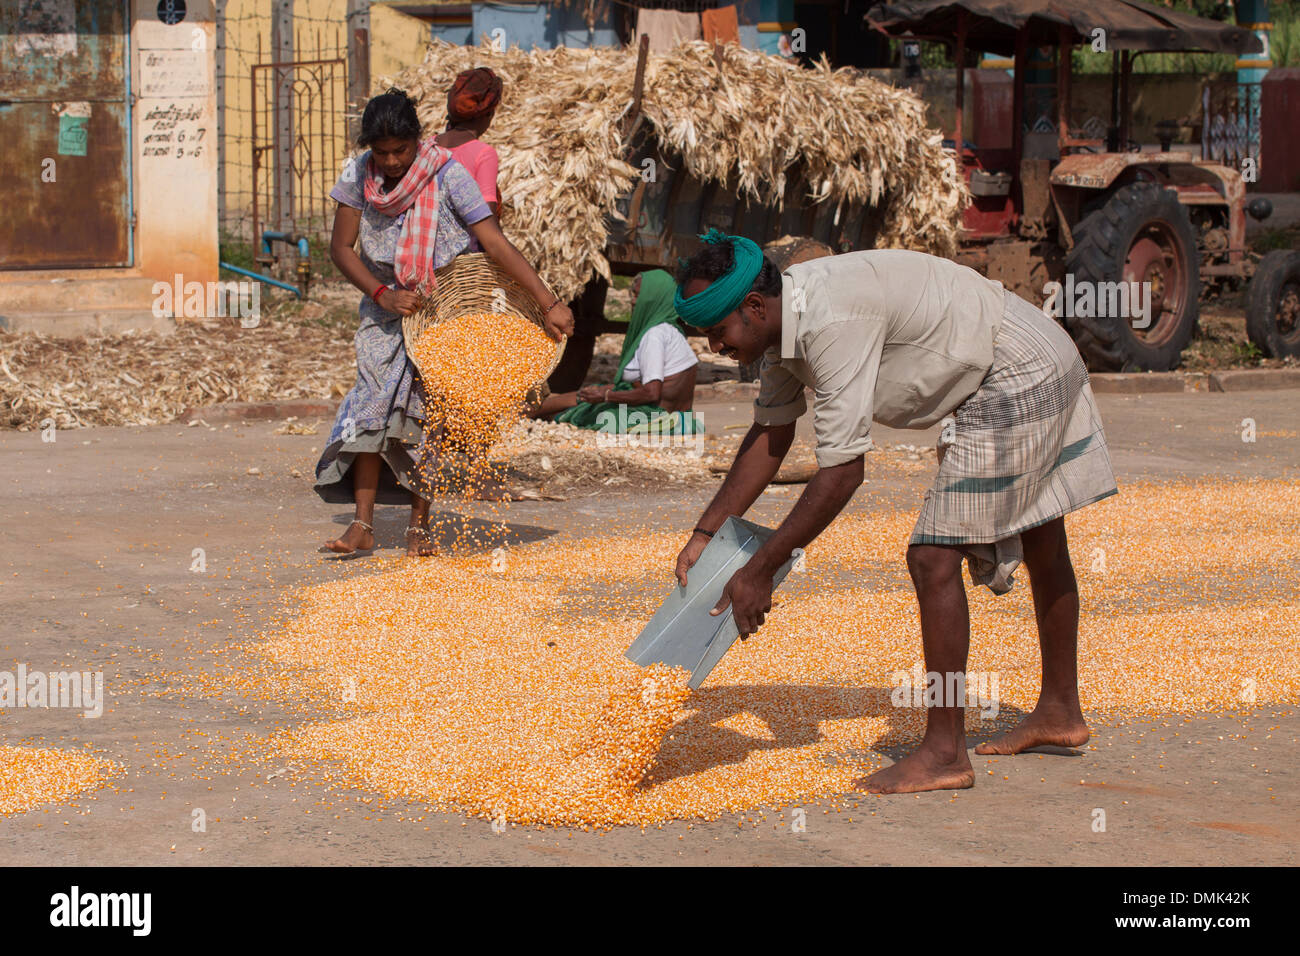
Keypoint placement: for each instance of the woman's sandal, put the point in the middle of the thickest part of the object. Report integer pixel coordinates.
(358, 552)
(433, 548)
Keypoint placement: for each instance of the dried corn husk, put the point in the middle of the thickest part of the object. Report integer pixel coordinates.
(560, 146)
(757, 124)
(151, 378)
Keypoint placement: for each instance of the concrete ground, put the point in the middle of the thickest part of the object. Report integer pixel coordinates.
(100, 529)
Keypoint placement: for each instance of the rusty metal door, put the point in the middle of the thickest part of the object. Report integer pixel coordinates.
(64, 127)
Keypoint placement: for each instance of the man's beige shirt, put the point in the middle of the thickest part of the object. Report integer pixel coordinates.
(898, 337)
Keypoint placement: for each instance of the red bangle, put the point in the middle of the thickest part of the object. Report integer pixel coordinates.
(377, 293)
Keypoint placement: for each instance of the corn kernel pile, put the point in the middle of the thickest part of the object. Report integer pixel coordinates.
(498, 688)
(592, 777)
(477, 369)
(30, 777)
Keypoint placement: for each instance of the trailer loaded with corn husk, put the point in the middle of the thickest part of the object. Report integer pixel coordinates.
(612, 163)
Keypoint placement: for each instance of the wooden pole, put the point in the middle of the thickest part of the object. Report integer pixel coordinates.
(1018, 96)
(1063, 64)
(282, 44)
(358, 36)
(638, 84)
(958, 138)
(1112, 144)
(1125, 106)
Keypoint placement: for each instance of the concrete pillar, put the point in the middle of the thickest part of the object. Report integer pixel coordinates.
(1251, 67)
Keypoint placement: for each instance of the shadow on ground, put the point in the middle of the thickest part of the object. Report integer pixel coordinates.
(793, 714)
(452, 532)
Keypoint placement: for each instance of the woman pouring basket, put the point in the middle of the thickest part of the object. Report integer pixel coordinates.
(415, 208)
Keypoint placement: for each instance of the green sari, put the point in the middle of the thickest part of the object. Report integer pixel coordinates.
(654, 306)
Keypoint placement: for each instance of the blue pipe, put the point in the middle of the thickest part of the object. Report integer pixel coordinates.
(130, 157)
(268, 235)
(261, 278)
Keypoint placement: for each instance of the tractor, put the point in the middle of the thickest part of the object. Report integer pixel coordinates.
(1085, 213)
(1088, 226)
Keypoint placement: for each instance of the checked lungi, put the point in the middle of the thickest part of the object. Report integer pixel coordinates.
(1025, 448)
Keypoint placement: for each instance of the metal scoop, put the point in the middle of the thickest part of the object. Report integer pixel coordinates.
(683, 633)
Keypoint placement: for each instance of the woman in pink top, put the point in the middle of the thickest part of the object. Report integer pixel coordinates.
(471, 103)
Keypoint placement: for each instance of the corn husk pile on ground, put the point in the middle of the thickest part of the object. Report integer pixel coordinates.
(496, 686)
(149, 378)
(559, 134)
(145, 379)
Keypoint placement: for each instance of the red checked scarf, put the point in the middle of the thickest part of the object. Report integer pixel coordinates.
(413, 261)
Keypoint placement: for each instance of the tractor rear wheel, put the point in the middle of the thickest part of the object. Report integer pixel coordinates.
(1142, 234)
(1273, 304)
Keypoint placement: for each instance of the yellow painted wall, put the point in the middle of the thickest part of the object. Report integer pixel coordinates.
(397, 40)
(319, 33)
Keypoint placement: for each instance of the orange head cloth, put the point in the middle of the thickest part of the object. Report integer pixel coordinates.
(475, 93)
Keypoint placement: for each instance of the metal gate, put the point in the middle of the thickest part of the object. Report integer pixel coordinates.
(1230, 123)
(299, 142)
(65, 126)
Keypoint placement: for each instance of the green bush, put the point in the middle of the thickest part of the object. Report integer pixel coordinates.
(236, 251)
(1284, 39)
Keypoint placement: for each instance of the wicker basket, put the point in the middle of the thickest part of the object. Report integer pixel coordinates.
(466, 285)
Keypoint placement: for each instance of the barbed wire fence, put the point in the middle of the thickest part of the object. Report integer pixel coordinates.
(283, 114)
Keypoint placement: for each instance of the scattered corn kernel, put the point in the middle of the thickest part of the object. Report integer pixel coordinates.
(497, 688)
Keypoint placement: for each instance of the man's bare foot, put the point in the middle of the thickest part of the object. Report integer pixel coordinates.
(419, 543)
(1040, 729)
(358, 537)
(921, 770)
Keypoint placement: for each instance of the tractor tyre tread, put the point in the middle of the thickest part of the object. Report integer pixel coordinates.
(1275, 270)
(1101, 242)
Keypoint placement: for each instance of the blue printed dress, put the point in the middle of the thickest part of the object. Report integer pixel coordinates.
(384, 411)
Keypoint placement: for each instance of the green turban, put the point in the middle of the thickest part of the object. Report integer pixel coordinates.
(724, 295)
